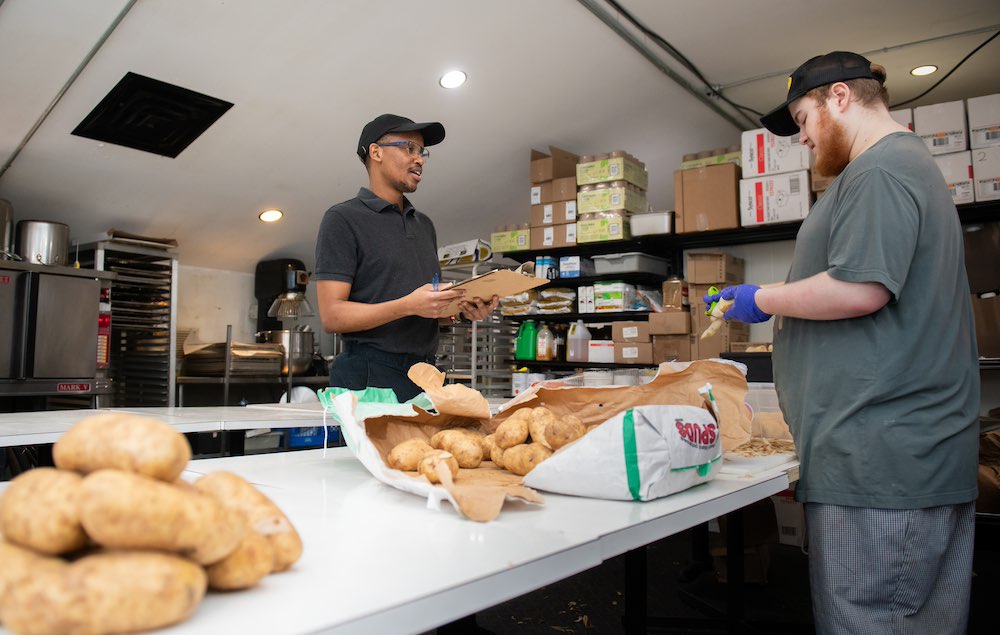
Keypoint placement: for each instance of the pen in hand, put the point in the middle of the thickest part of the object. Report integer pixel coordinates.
(435, 280)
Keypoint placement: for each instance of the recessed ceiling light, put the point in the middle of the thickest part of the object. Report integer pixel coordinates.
(452, 79)
(920, 71)
(270, 215)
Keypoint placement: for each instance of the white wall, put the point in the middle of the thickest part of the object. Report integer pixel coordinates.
(210, 299)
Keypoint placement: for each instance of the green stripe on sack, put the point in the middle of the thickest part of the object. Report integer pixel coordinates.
(631, 454)
(703, 469)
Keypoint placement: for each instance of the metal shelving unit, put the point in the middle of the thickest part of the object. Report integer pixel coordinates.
(143, 319)
(475, 354)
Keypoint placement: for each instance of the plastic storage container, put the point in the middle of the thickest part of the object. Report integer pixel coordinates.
(631, 262)
(577, 342)
(652, 223)
(545, 344)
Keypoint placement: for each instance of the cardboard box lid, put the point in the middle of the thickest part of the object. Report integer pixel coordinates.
(558, 163)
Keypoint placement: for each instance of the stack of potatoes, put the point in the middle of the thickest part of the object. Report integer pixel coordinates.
(113, 541)
(522, 441)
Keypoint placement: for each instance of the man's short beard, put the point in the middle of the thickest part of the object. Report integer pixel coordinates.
(834, 148)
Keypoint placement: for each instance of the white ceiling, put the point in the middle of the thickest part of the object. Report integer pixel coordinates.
(306, 75)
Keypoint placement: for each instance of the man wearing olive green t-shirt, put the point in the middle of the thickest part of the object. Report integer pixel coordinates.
(875, 363)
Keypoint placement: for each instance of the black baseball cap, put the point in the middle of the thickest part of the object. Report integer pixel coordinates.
(821, 70)
(384, 124)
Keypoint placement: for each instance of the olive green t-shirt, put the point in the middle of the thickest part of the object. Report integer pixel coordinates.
(884, 408)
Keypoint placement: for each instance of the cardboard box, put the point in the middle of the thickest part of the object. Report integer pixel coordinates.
(564, 189)
(557, 164)
(942, 126)
(601, 352)
(516, 240)
(715, 159)
(670, 323)
(553, 236)
(625, 332)
(713, 347)
(610, 199)
(903, 116)
(986, 312)
(986, 173)
(707, 199)
(791, 518)
(575, 267)
(602, 229)
(616, 169)
(767, 153)
(957, 171)
(779, 198)
(541, 193)
(713, 268)
(557, 213)
(984, 121)
(633, 353)
(668, 348)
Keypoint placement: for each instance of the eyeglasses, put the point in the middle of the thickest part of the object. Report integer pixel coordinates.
(412, 149)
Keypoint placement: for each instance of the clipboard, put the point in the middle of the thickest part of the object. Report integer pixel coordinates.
(501, 283)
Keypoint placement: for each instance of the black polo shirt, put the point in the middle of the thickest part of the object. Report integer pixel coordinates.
(384, 254)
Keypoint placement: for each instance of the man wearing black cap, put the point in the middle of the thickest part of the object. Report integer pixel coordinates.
(377, 265)
(875, 363)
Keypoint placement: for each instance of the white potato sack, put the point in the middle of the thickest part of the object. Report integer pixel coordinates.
(639, 454)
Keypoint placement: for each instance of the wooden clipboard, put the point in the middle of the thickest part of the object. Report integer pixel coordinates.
(502, 282)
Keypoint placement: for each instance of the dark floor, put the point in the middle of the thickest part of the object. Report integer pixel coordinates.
(593, 601)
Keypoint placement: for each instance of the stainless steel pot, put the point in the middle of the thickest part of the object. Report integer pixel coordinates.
(298, 348)
(6, 230)
(43, 242)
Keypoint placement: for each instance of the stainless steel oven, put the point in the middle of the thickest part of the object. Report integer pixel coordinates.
(49, 324)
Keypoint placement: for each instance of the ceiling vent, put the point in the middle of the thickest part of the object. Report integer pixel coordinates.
(153, 116)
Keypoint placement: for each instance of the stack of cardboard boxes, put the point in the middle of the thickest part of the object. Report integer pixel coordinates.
(577, 199)
(553, 199)
(950, 129)
(718, 270)
(632, 343)
(671, 337)
(775, 185)
(611, 188)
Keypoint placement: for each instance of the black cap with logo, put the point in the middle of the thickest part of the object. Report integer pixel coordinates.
(384, 124)
(821, 70)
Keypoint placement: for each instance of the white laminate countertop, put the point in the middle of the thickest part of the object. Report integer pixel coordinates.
(377, 560)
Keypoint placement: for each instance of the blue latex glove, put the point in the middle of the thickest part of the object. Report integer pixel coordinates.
(744, 309)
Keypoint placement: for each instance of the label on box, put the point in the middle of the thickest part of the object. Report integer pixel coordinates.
(766, 153)
(536, 195)
(630, 352)
(630, 332)
(549, 238)
(571, 232)
(774, 199)
(986, 136)
(944, 142)
(547, 214)
(571, 210)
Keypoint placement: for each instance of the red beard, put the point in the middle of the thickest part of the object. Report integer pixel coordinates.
(833, 150)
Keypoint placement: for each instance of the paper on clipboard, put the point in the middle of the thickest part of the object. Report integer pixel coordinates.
(501, 283)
